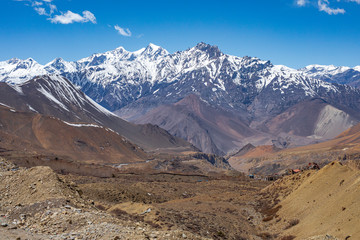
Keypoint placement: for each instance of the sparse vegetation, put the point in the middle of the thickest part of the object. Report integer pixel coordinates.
(292, 223)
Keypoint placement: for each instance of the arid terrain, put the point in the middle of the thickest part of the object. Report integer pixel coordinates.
(66, 180)
(37, 203)
(267, 160)
(179, 120)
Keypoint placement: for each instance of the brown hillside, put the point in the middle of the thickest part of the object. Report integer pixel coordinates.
(35, 133)
(243, 162)
(345, 146)
(326, 202)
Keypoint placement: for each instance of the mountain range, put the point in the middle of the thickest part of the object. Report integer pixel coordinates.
(216, 101)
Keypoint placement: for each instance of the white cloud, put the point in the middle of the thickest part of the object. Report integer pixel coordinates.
(301, 3)
(324, 6)
(89, 16)
(45, 7)
(70, 17)
(37, 3)
(53, 8)
(40, 10)
(122, 31)
(42, 7)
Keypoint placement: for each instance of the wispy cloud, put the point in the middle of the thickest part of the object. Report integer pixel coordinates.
(47, 8)
(37, 3)
(301, 3)
(326, 5)
(70, 17)
(123, 31)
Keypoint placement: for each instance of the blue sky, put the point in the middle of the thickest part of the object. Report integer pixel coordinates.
(295, 33)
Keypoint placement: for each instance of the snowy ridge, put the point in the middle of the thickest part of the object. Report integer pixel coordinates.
(313, 70)
(119, 77)
(99, 107)
(51, 97)
(334, 74)
(20, 71)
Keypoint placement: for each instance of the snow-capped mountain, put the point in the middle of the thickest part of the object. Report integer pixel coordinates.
(132, 84)
(333, 74)
(19, 71)
(119, 77)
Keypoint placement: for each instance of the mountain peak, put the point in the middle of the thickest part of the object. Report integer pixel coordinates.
(120, 49)
(57, 60)
(153, 49)
(212, 50)
(153, 46)
(13, 61)
(30, 60)
(202, 45)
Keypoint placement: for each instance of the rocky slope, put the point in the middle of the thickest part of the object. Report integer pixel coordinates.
(214, 130)
(56, 96)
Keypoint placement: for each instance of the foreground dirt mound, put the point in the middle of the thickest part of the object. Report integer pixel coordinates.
(29, 186)
(36, 203)
(319, 203)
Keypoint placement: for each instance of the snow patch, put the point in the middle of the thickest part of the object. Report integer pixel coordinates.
(82, 125)
(5, 105)
(52, 98)
(99, 107)
(17, 88)
(32, 109)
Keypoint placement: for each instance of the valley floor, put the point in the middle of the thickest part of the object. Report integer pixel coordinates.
(37, 203)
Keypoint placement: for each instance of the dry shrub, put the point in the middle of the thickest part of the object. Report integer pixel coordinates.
(265, 235)
(100, 207)
(119, 212)
(292, 223)
(268, 218)
(270, 211)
